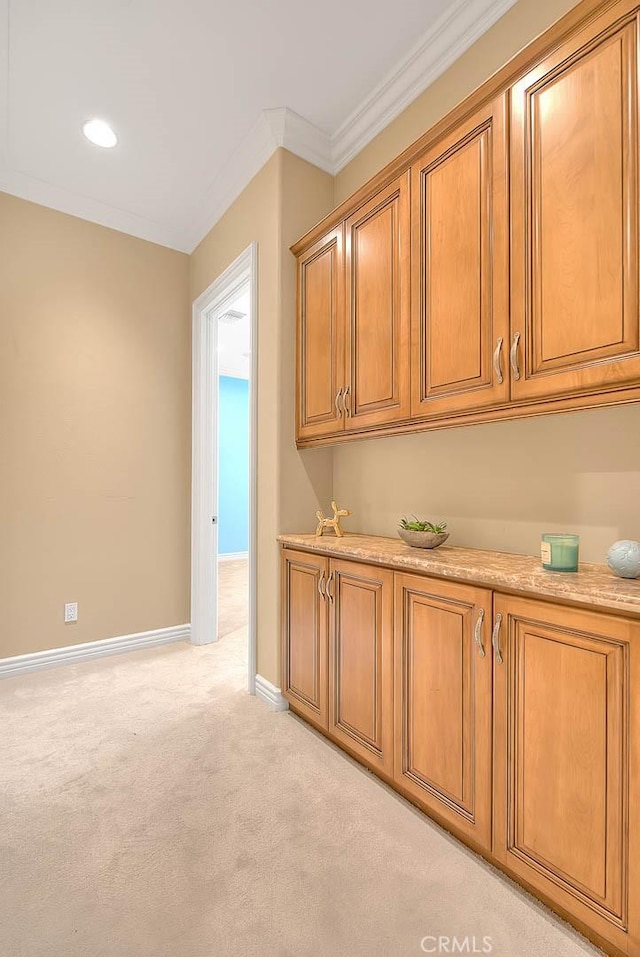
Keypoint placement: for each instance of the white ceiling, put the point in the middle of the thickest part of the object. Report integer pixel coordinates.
(186, 83)
(234, 339)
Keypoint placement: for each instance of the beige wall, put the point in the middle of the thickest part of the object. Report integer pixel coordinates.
(499, 485)
(305, 477)
(94, 431)
(283, 200)
(502, 484)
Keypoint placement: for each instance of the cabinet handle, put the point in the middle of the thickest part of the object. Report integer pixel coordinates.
(495, 639)
(329, 594)
(478, 633)
(347, 401)
(514, 356)
(337, 403)
(321, 590)
(497, 361)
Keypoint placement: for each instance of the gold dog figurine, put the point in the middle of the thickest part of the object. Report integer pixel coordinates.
(334, 522)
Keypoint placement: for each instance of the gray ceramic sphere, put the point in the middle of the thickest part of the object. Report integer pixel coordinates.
(623, 558)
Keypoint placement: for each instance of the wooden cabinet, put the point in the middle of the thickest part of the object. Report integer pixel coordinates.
(521, 273)
(320, 337)
(574, 175)
(361, 661)
(337, 651)
(513, 721)
(460, 231)
(304, 635)
(443, 700)
(562, 767)
(353, 320)
(377, 254)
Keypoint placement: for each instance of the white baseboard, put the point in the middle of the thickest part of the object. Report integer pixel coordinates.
(270, 694)
(233, 556)
(91, 649)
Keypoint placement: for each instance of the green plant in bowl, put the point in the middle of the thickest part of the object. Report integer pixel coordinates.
(420, 533)
(418, 525)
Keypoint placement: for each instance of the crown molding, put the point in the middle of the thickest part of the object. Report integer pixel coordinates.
(297, 135)
(85, 207)
(274, 129)
(447, 39)
(243, 164)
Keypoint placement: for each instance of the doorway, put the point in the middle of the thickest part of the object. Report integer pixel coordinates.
(223, 519)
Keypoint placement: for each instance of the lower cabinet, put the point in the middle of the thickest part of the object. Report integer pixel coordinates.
(337, 651)
(361, 661)
(443, 700)
(304, 635)
(514, 722)
(562, 759)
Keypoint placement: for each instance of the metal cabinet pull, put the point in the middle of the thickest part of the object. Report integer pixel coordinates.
(337, 403)
(514, 356)
(478, 633)
(328, 593)
(497, 361)
(347, 401)
(495, 639)
(321, 590)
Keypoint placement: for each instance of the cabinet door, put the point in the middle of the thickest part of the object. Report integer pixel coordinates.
(304, 634)
(574, 163)
(443, 701)
(460, 307)
(320, 364)
(561, 756)
(377, 290)
(361, 661)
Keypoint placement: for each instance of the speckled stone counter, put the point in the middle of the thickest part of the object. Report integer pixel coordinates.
(593, 585)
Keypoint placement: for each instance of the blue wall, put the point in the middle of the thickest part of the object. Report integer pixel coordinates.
(233, 465)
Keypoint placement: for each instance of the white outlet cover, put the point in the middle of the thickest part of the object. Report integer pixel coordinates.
(71, 611)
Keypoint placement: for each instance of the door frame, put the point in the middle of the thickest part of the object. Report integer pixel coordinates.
(204, 454)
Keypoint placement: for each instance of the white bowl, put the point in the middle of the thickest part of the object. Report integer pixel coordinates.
(422, 539)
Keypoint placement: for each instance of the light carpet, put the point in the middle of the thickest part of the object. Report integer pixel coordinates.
(152, 809)
(233, 595)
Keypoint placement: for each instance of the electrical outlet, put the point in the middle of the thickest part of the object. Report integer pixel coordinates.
(71, 611)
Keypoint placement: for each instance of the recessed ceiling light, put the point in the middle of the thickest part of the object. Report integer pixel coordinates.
(100, 133)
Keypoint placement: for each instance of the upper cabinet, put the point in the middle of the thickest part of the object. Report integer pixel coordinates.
(492, 270)
(353, 320)
(377, 254)
(460, 225)
(574, 176)
(321, 336)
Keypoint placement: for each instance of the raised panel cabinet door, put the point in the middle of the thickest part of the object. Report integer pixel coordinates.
(361, 661)
(320, 332)
(443, 700)
(377, 256)
(460, 256)
(561, 686)
(574, 181)
(304, 634)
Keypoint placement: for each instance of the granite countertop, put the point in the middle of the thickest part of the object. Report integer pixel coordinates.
(592, 585)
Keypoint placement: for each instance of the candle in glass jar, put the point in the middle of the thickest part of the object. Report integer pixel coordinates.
(559, 553)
